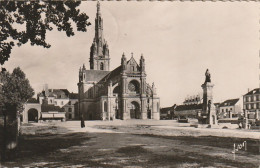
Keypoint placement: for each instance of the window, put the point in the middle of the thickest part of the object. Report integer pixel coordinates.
(253, 106)
(50, 101)
(105, 106)
(230, 109)
(70, 116)
(69, 103)
(223, 110)
(101, 66)
(226, 110)
(90, 94)
(70, 109)
(133, 86)
(133, 68)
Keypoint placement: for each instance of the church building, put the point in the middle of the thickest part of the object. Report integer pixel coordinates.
(118, 94)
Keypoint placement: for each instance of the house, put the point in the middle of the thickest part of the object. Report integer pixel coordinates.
(51, 104)
(229, 109)
(251, 104)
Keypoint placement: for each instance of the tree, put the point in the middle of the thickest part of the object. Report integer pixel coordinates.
(16, 90)
(33, 19)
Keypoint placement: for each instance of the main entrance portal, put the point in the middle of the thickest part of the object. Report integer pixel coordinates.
(135, 111)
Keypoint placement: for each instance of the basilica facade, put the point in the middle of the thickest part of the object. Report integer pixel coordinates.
(118, 94)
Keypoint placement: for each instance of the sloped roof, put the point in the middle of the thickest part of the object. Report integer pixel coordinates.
(188, 107)
(57, 92)
(230, 102)
(112, 74)
(216, 104)
(254, 91)
(73, 95)
(95, 75)
(167, 108)
(51, 107)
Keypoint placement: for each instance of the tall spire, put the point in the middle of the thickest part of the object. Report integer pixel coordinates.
(99, 26)
(99, 52)
(98, 7)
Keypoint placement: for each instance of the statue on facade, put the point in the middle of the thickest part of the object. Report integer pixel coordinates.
(207, 75)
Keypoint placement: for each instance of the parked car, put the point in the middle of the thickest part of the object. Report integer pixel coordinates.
(183, 120)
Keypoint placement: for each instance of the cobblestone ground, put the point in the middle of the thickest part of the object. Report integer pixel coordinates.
(133, 144)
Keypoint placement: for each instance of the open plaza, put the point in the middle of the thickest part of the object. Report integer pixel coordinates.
(134, 143)
(109, 107)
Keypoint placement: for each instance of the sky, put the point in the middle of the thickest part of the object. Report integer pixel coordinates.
(179, 41)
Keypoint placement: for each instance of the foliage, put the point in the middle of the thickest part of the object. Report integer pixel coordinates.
(16, 88)
(28, 21)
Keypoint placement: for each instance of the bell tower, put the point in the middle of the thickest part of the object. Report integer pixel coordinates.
(99, 52)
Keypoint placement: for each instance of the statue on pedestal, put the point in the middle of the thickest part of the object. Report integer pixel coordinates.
(207, 75)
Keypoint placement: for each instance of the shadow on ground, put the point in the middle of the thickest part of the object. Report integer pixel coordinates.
(52, 146)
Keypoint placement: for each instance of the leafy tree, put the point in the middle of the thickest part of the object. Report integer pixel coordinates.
(16, 88)
(28, 21)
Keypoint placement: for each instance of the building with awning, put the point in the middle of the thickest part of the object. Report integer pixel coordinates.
(52, 112)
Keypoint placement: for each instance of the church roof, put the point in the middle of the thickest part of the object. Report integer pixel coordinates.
(95, 75)
(112, 74)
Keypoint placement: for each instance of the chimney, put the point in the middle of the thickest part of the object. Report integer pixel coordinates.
(46, 90)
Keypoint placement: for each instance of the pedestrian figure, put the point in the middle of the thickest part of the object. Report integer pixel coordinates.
(82, 122)
(240, 125)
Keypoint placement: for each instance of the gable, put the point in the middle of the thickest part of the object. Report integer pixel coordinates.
(132, 66)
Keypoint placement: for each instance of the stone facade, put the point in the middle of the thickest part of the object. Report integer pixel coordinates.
(51, 104)
(251, 103)
(118, 94)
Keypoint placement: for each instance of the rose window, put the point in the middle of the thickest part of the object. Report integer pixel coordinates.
(133, 86)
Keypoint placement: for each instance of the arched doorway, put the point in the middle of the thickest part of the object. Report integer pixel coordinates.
(33, 115)
(135, 110)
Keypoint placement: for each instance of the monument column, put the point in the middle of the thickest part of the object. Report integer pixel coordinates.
(208, 115)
